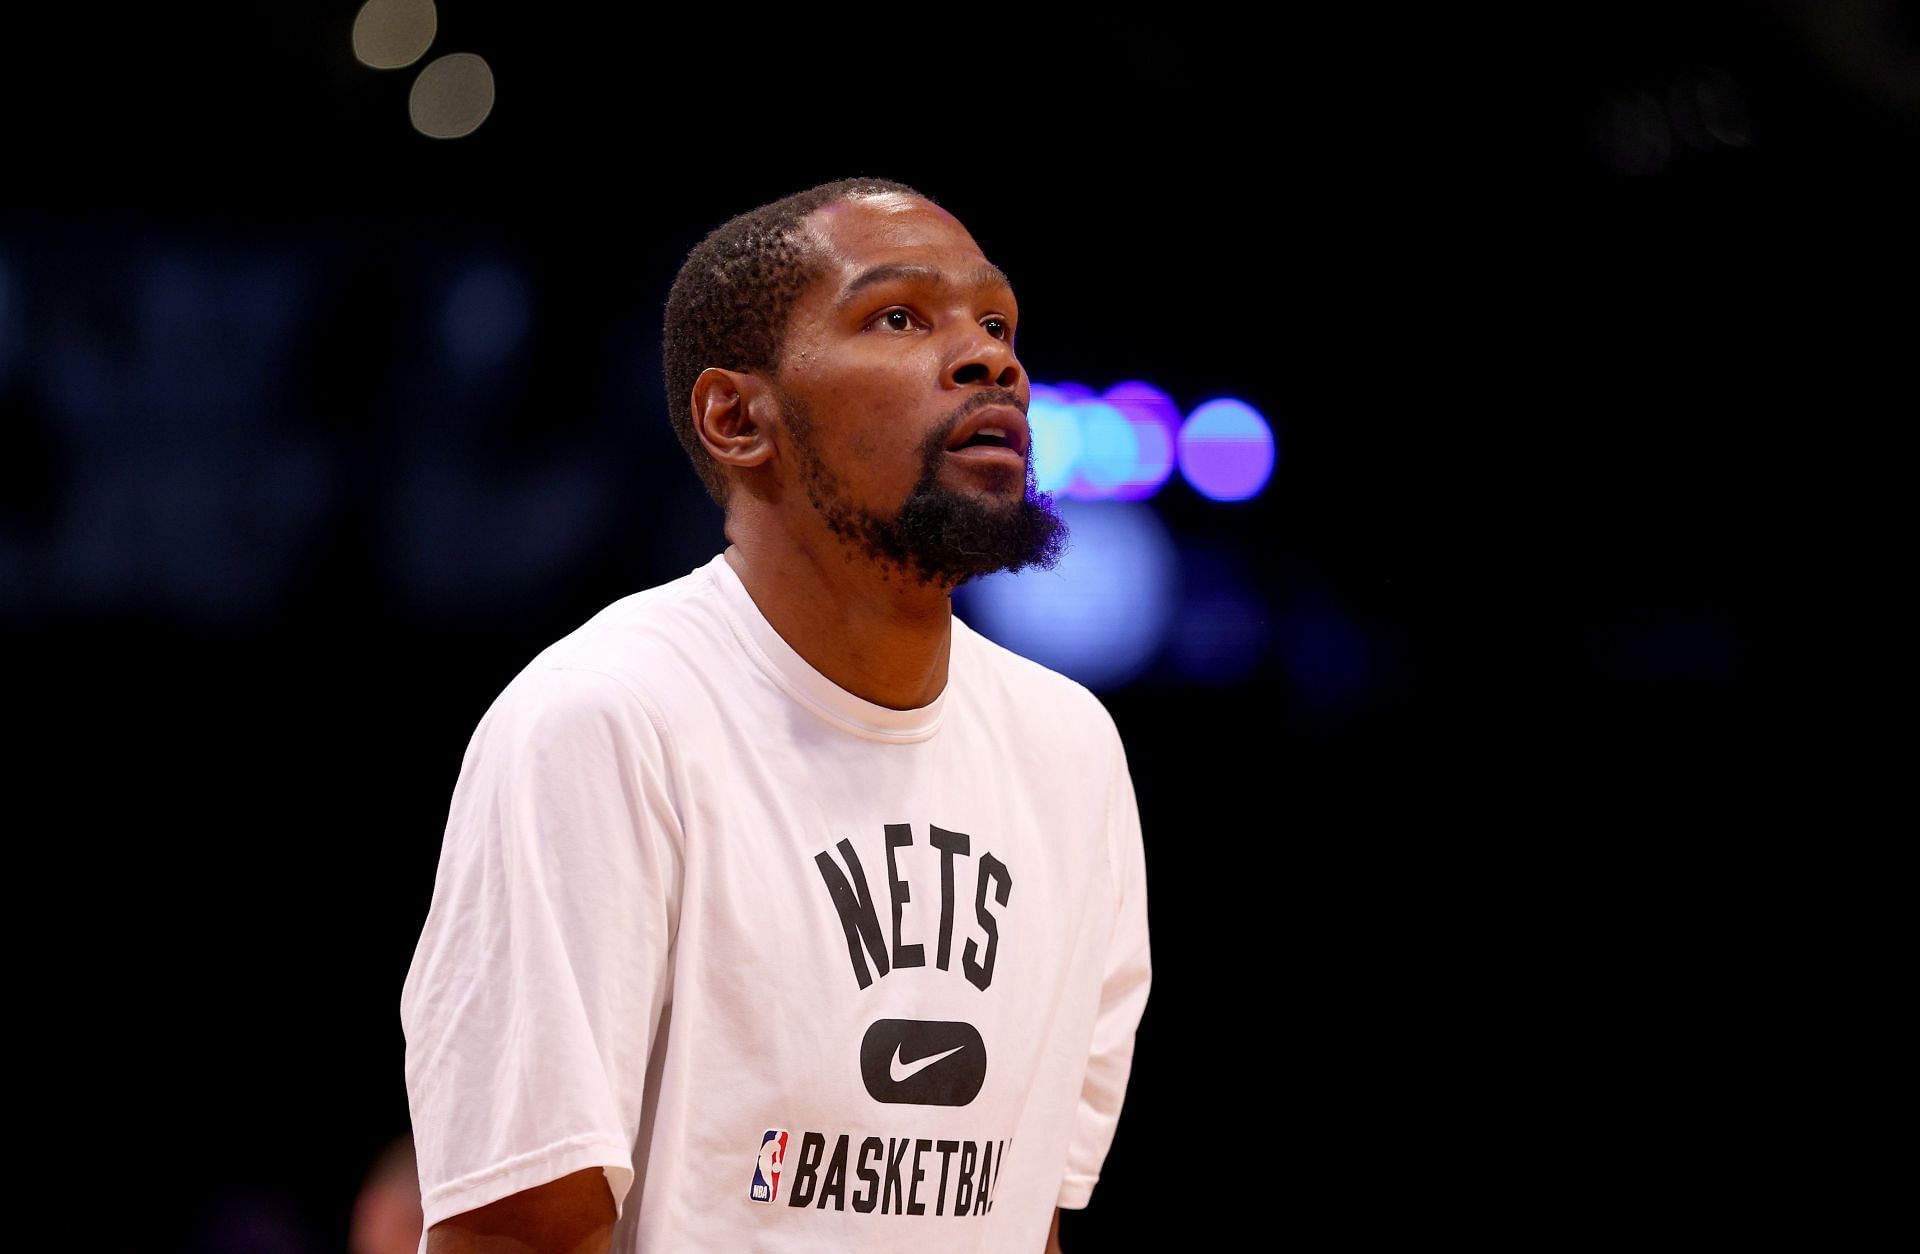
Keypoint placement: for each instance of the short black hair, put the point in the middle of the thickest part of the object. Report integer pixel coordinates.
(731, 300)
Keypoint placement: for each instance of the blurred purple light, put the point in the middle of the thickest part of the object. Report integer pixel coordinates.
(1155, 420)
(1226, 450)
(1123, 444)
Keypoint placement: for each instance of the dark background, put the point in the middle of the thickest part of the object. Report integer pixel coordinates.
(1463, 937)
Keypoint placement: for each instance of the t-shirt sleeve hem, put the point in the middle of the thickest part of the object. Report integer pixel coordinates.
(1075, 1192)
(524, 1171)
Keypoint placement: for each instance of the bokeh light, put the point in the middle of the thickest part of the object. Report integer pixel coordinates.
(1226, 450)
(1103, 613)
(390, 34)
(1108, 450)
(1123, 444)
(1155, 420)
(452, 96)
(1055, 434)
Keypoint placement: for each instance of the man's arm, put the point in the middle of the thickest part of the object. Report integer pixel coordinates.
(1127, 977)
(1053, 1235)
(571, 1215)
(541, 979)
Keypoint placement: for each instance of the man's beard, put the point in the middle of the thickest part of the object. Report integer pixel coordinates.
(939, 536)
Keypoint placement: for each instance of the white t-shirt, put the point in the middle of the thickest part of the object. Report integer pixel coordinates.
(799, 971)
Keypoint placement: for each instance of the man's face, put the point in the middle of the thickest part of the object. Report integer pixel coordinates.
(897, 369)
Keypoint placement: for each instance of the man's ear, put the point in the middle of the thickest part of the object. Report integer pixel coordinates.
(734, 414)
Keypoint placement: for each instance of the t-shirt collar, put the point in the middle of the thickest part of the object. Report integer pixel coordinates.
(797, 677)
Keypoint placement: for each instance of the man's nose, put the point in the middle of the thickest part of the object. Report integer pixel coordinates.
(985, 358)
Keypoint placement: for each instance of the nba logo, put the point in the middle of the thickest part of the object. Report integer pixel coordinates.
(766, 1172)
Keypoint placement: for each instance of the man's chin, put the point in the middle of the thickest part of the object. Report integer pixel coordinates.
(949, 537)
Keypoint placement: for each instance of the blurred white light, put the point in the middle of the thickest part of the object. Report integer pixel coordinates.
(1102, 614)
(389, 34)
(452, 96)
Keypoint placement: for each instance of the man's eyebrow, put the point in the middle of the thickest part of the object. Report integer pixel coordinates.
(985, 275)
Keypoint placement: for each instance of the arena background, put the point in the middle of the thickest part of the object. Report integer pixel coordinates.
(1459, 739)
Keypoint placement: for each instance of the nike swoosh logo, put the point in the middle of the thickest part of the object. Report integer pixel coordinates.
(917, 1066)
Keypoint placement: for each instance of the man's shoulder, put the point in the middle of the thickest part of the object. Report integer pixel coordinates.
(648, 644)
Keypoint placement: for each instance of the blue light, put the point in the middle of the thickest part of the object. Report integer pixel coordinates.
(1123, 444)
(1102, 614)
(1109, 451)
(1056, 438)
(1226, 450)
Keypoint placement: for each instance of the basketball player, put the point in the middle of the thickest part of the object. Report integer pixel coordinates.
(777, 909)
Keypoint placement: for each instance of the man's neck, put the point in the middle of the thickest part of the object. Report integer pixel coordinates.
(880, 635)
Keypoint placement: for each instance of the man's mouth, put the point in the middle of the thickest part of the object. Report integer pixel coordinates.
(992, 434)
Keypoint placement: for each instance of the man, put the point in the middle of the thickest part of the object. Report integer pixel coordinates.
(778, 909)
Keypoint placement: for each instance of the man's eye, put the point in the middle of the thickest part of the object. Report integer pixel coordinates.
(997, 328)
(897, 320)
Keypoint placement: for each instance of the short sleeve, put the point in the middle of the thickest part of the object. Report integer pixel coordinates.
(541, 972)
(1123, 994)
